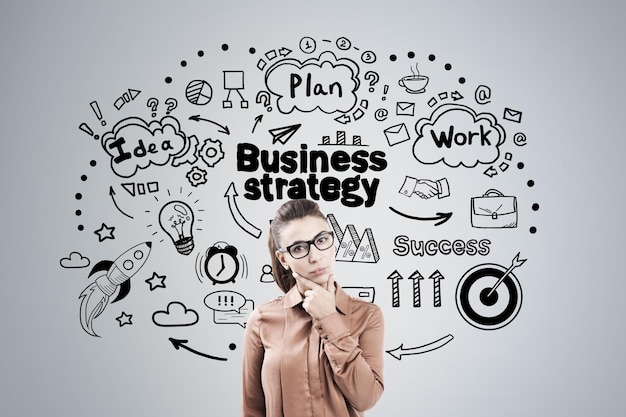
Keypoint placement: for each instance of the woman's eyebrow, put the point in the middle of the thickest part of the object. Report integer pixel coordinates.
(314, 237)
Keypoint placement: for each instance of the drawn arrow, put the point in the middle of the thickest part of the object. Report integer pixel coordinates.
(257, 120)
(395, 289)
(490, 172)
(343, 119)
(514, 264)
(223, 129)
(416, 277)
(400, 351)
(249, 228)
(456, 95)
(112, 194)
(436, 277)
(180, 343)
(442, 217)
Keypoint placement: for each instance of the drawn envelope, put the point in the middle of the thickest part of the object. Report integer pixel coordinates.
(512, 115)
(404, 108)
(397, 134)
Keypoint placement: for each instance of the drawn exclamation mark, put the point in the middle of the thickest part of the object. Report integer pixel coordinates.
(96, 110)
(219, 300)
(232, 300)
(85, 128)
(385, 91)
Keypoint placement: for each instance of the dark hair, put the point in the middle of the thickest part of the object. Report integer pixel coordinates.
(290, 210)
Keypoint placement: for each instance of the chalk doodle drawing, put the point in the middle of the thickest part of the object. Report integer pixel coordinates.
(404, 142)
(489, 296)
(109, 277)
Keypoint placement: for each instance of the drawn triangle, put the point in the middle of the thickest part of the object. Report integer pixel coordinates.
(367, 251)
(130, 187)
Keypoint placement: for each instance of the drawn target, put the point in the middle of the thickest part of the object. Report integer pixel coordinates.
(484, 306)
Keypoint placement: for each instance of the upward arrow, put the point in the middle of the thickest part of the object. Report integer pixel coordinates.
(112, 194)
(248, 227)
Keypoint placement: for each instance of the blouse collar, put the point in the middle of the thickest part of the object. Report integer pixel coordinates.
(294, 298)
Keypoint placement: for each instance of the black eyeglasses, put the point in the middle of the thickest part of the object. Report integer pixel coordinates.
(299, 250)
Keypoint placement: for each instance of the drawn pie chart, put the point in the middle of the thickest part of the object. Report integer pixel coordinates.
(484, 310)
(199, 92)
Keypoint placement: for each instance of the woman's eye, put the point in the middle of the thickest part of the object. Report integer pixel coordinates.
(297, 248)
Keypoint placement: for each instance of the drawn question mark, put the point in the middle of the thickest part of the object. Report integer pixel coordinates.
(171, 104)
(153, 103)
(373, 79)
(263, 97)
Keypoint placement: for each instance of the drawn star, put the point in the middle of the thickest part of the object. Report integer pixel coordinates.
(156, 281)
(105, 232)
(125, 319)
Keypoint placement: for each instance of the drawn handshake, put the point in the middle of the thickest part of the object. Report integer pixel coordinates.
(425, 188)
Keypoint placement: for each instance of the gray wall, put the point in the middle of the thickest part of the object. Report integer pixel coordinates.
(544, 79)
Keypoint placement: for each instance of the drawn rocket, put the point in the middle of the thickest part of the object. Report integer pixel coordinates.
(111, 275)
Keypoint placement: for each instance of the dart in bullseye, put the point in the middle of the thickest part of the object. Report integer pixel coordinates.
(516, 262)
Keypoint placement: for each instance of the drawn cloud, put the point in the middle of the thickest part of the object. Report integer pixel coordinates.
(176, 315)
(133, 144)
(455, 135)
(327, 83)
(75, 260)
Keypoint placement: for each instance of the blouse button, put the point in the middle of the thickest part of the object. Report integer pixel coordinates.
(326, 337)
(320, 327)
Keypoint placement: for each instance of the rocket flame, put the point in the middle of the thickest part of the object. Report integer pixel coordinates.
(92, 304)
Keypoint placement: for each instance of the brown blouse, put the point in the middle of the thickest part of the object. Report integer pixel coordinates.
(295, 367)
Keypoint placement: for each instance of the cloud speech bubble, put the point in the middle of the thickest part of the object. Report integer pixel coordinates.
(229, 307)
(326, 83)
(455, 135)
(225, 301)
(134, 144)
(234, 317)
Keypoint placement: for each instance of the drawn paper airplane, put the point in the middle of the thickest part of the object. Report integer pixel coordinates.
(283, 134)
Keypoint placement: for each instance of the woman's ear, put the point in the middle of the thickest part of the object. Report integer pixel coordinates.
(281, 258)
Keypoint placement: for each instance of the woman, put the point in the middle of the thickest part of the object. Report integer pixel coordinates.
(315, 351)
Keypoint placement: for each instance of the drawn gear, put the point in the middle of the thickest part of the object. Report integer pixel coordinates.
(211, 152)
(196, 176)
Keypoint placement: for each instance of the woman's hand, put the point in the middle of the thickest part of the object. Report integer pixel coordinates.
(319, 302)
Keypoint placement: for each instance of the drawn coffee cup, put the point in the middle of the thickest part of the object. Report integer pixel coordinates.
(414, 83)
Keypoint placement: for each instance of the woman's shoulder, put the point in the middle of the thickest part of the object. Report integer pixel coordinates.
(271, 304)
(268, 307)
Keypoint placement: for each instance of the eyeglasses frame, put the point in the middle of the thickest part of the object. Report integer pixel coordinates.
(309, 243)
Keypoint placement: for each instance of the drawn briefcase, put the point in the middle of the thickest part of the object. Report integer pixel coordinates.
(494, 210)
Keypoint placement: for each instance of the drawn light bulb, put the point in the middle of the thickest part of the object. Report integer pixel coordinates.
(176, 219)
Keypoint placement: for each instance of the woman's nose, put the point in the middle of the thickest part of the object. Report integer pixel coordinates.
(314, 254)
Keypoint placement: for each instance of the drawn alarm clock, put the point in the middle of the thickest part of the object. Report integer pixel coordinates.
(221, 264)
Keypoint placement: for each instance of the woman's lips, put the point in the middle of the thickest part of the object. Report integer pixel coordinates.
(318, 271)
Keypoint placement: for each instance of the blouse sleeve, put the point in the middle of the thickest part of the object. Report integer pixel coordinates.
(357, 364)
(253, 401)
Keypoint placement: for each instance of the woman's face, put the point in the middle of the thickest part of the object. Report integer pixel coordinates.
(317, 265)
